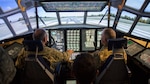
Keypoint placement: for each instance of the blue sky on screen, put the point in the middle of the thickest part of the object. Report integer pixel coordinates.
(10, 4)
(147, 9)
(135, 3)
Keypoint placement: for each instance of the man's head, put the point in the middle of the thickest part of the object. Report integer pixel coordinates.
(40, 34)
(108, 33)
(84, 68)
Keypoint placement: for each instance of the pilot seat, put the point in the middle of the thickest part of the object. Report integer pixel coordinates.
(36, 69)
(115, 70)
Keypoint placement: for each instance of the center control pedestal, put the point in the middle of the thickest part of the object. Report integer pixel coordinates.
(138, 62)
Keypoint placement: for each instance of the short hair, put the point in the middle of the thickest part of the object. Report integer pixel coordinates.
(39, 34)
(85, 68)
(109, 33)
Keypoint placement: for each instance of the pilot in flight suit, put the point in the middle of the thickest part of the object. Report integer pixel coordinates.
(52, 55)
(104, 53)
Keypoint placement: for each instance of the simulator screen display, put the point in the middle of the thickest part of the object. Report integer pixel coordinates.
(73, 40)
(99, 32)
(58, 36)
(144, 58)
(133, 48)
(88, 39)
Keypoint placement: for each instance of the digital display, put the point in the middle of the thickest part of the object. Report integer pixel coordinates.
(14, 49)
(71, 82)
(58, 36)
(144, 58)
(99, 32)
(133, 48)
(73, 40)
(88, 39)
(130, 42)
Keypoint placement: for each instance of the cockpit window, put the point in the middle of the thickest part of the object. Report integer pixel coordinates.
(18, 23)
(136, 4)
(147, 9)
(7, 5)
(46, 18)
(113, 13)
(32, 17)
(71, 17)
(4, 30)
(125, 22)
(142, 28)
(94, 17)
(101, 18)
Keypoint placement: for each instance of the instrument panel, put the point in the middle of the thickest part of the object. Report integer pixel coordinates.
(133, 48)
(58, 36)
(99, 32)
(73, 40)
(144, 58)
(14, 49)
(88, 39)
(76, 39)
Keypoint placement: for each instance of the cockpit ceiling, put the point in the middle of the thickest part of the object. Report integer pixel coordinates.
(73, 6)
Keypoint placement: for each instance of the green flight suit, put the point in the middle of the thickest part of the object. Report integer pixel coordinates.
(52, 55)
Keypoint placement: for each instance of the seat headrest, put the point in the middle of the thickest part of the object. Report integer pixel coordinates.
(117, 43)
(31, 45)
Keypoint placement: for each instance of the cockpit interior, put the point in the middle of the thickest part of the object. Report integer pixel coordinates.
(78, 25)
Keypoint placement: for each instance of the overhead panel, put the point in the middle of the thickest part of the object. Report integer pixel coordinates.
(73, 6)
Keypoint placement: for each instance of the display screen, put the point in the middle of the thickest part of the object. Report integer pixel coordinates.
(130, 42)
(144, 57)
(88, 39)
(14, 49)
(58, 36)
(71, 82)
(73, 40)
(99, 32)
(133, 48)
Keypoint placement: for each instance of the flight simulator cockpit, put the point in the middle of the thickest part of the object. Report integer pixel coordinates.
(78, 25)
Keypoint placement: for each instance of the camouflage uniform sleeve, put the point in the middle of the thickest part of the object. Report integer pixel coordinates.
(56, 56)
(62, 55)
(19, 62)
